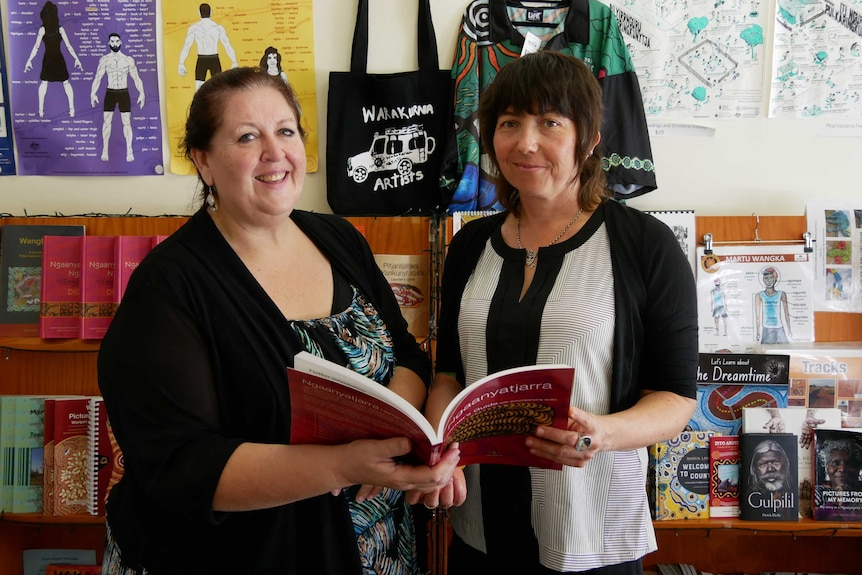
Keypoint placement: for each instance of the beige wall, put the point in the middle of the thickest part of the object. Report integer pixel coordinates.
(765, 166)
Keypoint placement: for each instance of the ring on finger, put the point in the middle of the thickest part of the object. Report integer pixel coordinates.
(432, 507)
(583, 443)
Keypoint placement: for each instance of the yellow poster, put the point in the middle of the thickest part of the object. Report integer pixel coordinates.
(202, 39)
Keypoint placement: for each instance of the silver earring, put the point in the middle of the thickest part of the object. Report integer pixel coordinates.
(210, 199)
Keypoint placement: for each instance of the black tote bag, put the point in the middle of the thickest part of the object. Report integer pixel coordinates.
(386, 133)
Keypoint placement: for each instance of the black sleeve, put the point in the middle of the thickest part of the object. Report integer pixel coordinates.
(156, 376)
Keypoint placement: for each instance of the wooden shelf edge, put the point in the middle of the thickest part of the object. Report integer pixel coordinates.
(38, 344)
(39, 519)
(801, 527)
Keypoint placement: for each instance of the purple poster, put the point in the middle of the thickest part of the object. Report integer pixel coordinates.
(7, 152)
(84, 83)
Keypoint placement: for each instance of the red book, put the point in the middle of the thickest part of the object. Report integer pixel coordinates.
(71, 455)
(331, 404)
(60, 307)
(97, 285)
(106, 458)
(724, 476)
(130, 251)
(48, 459)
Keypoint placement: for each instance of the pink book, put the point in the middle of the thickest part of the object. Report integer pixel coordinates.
(130, 251)
(71, 455)
(97, 285)
(60, 307)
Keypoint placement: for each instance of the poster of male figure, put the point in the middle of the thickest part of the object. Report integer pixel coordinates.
(753, 295)
(84, 83)
(203, 38)
(7, 154)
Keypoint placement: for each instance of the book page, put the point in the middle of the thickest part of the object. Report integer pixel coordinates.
(491, 418)
(331, 405)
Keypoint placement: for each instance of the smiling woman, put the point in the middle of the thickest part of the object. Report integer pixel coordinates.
(221, 307)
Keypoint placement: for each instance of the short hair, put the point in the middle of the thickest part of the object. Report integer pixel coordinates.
(208, 105)
(548, 81)
(112, 34)
(854, 451)
(205, 10)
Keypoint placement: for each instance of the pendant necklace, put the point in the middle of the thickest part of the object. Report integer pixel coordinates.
(530, 260)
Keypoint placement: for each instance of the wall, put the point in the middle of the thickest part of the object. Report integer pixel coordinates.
(762, 166)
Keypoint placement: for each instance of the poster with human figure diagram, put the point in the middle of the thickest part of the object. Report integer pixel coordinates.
(755, 294)
(85, 87)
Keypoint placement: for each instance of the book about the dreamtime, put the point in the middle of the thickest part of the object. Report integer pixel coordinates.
(332, 404)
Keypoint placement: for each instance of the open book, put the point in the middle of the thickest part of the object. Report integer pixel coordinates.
(331, 404)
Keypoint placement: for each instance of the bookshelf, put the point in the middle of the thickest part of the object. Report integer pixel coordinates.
(732, 545)
(30, 365)
(35, 366)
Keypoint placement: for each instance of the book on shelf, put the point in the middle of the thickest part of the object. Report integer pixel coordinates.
(106, 458)
(36, 561)
(331, 404)
(97, 285)
(21, 275)
(802, 422)
(129, 253)
(70, 569)
(48, 459)
(28, 444)
(679, 476)
(60, 308)
(7, 451)
(461, 217)
(768, 488)
(724, 476)
(727, 382)
(837, 481)
(71, 455)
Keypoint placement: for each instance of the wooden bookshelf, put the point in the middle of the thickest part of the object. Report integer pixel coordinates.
(30, 365)
(733, 545)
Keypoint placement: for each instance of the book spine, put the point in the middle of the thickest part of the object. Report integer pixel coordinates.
(48, 459)
(29, 442)
(7, 451)
(60, 308)
(97, 285)
(73, 569)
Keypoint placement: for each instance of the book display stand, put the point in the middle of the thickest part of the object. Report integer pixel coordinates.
(30, 365)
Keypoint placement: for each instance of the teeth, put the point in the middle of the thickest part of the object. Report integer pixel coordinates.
(271, 178)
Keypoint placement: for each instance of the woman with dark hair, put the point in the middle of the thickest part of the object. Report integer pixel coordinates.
(563, 275)
(53, 63)
(271, 63)
(194, 369)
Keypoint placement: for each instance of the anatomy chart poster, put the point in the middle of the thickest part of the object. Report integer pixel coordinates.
(696, 59)
(836, 227)
(7, 153)
(200, 39)
(750, 295)
(84, 83)
(817, 60)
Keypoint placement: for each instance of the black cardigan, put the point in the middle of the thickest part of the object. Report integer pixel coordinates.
(655, 336)
(194, 364)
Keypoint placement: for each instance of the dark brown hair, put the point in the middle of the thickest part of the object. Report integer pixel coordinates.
(538, 83)
(208, 107)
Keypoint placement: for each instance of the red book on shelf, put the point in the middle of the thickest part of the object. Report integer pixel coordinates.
(106, 458)
(60, 308)
(724, 476)
(129, 252)
(71, 455)
(97, 285)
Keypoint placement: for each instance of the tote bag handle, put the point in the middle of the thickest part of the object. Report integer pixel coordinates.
(428, 60)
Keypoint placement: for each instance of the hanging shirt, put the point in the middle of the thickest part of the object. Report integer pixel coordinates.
(491, 35)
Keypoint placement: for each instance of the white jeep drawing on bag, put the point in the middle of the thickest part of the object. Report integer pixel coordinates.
(395, 149)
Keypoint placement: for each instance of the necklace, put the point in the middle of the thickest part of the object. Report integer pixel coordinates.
(530, 260)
